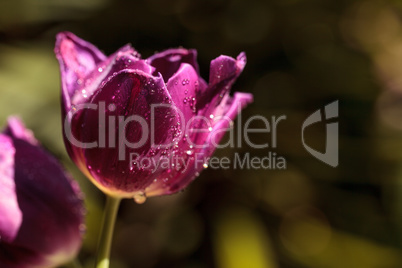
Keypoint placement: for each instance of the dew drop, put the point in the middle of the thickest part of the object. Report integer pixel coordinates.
(205, 165)
(140, 198)
(112, 107)
(100, 69)
(210, 129)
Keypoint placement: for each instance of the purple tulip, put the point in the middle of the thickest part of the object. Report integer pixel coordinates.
(41, 208)
(140, 127)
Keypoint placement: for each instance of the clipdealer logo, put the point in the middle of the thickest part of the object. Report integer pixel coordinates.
(331, 154)
(115, 128)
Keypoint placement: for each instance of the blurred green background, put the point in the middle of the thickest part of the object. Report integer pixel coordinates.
(302, 55)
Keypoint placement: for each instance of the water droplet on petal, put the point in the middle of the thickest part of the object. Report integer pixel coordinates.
(112, 107)
(100, 69)
(140, 198)
(205, 165)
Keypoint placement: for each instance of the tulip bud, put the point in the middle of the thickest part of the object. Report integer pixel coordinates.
(140, 127)
(41, 208)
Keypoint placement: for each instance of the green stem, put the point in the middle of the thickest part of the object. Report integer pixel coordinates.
(105, 240)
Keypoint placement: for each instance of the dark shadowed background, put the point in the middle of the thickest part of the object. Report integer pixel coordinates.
(302, 55)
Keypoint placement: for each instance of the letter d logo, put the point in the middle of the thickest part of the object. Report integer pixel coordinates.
(330, 156)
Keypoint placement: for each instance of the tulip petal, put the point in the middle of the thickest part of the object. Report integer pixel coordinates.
(183, 86)
(11, 216)
(170, 60)
(41, 180)
(225, 113)
(125, 58)
(77, 58)
(224, 70)
(16, 129)
(131, 129)
(48, 233)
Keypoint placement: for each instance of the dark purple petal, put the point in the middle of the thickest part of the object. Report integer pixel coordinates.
(77, 58)
(46, 226)
(127, 95)
(125, 58)
(224, 71)
(169, 61)
(183, 86)
(196, 158)
(225, 113)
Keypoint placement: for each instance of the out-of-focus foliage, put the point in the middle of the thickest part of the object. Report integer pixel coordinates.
(301, 56)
